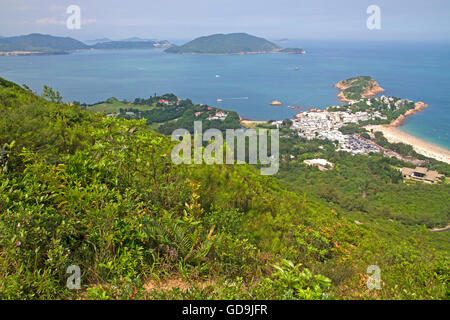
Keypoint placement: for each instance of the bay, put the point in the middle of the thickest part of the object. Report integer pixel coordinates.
(247, 83)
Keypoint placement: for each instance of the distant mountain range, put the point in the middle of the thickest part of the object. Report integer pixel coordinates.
(41, 43)
(146, 44)
(136, 39)
(36, 43)
(92, 42)
(233, 43)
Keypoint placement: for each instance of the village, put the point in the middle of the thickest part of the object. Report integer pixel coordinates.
(317, 124)
(327, 124)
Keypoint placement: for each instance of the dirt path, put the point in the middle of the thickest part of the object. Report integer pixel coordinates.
(447, 228)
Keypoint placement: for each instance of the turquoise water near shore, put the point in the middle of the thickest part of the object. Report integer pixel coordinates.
(247, 83)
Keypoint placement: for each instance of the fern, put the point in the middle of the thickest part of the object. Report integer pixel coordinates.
(186, 238)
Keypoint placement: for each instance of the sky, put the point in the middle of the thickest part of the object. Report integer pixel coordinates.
(187, 19)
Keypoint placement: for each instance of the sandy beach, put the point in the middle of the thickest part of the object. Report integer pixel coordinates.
(394, 135)
(250, 123)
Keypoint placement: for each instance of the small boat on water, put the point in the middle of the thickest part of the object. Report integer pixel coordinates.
(219, 100)
(217, 75)
(297, 68)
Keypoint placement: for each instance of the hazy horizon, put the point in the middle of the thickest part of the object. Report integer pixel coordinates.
(180, 20)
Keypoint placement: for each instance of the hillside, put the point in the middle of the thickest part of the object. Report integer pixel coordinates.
(46, 44)
(77, 188)
(41, 43)
(233, 43)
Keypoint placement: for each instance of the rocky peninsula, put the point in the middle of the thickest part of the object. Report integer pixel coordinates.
(354, 89)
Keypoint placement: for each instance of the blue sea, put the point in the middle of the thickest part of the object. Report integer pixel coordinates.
(247, 83)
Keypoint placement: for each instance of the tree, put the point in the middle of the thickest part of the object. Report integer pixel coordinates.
(50, 94)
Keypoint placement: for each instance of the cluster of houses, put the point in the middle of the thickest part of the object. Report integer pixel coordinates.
(357, 145)
(325, 125)
(388, 102)
(322, 164)
(165, 102)
(421, 174)
(392, 103)
(219, 115)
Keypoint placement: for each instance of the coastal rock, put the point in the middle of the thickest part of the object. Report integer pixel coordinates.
(276, 103)
(419, 106)
(358, 87)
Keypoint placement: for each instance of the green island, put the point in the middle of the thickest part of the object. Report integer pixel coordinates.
(36, 43)
(145, 44)
(43, 44)
(293, 51)
(232, 43)
(358, 87)
(101, 192)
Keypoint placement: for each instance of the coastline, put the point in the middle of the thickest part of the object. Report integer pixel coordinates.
(418, 107)
(395, 135)
(368, 93)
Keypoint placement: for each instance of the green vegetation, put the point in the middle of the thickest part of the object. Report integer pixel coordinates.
(391, 110)
(226, 44)
(77, 188)
(48, 44)
(186, 121)
(293, 50)
(367, 186)
(355, 88)
(166, 113)
(42, 43)
(351, 128)
(113, 105)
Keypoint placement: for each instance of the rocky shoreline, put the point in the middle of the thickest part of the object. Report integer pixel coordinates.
(419, 106)
(374, 90)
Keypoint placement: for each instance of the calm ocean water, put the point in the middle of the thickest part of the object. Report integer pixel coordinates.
(418, 71)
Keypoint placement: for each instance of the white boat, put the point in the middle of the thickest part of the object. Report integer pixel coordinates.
(219, 100)
(217, 76)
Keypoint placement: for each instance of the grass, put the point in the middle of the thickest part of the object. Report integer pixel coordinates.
(115, 106)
